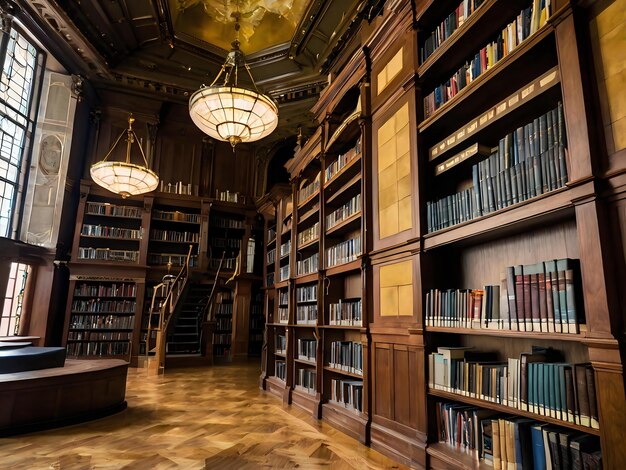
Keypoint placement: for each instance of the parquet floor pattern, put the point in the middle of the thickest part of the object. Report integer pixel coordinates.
(212, 418)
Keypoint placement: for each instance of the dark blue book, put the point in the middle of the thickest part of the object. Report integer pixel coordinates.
(539, 452)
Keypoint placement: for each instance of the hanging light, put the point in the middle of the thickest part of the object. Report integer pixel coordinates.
(229, 112)
(125, 178)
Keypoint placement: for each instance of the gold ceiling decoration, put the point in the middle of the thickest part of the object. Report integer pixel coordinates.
(264, 23)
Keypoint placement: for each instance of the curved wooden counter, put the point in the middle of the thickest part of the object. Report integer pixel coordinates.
(47, 398)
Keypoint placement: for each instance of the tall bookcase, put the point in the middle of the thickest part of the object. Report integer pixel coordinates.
(484, 179)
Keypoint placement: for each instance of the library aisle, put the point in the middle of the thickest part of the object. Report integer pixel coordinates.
(211, 418)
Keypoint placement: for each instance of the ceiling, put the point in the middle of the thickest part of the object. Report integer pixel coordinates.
(172, 47)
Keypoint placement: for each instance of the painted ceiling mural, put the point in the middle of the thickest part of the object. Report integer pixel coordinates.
(264, 23)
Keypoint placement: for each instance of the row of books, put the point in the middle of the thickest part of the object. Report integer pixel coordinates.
(344, 252)
(271, 233)
(283, 315)
(224, 324)
(176, 260)
(271, 256)
(527, 23)
(341, 161)
(309, 234)
(224, 309)
(227, 264)
(173, 236)
(220, 242)
(230, 196)
(537, 381)
(281, 370)
(306, 380)
(283, 297)
(222, 339)
(543, 297)
(448, 26)
(347, 356)
(105, 290)
(178, 188)
(308, 190)
(176, 216)
(285, 248)
(281, 344)
(347, 393)
(344, 212)
(114, 232)
(306, 293)
(98, 336)
(306, 314)
(226, 222)
(283, 273)
(307, 349)
(104, 208)
(308, 265)
(102, 306)
(96, 322)
(98, 348)
(107, 254)
(345, 313)
(514, 442)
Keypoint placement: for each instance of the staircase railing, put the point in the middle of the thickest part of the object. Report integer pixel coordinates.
(174, 289)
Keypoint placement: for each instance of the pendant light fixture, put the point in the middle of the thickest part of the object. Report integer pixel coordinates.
(229, 112)
(125, 178)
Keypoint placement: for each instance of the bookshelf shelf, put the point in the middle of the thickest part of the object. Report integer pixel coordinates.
(306, 278)
(304, 361)
(578, 338)
(344, 327)
(308, 217)
(100, 329)
(345, 192)
(272, 242)
(507, 409)
(506, 70)
(350, 224)
(343, 372)
(343, 268)
(181, 222)
(458, 458)
(547, 207)
(110, 216)
(308, 244)
(126, 239)
(309, 199)
(348, 131)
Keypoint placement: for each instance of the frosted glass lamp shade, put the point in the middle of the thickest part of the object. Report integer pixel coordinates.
(125, 179)
(233, 114)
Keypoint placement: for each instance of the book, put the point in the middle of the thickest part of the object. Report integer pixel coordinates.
(591, 394)
(539, 451)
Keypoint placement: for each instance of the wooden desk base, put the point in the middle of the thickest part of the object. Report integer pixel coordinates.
(43, 399)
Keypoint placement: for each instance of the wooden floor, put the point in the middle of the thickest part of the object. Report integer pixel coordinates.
(210, 418)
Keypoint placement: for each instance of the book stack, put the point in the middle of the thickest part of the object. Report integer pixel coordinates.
(344, 212)
(103, 208)
(307, 349)
(308, 265)
(105, 290)
(230, 196)
(306, 314)
(107, 254)
(465, 308)
(178, 188)
(448, 26)
(309, 234)
(306, 294)
(347, 393)
(306, 380)
(345, 313)
(115, 232)
(173, 236)
(281, 370)
(527, 23)
(342, 160)
(308, 190)
(271, 256)
(344, 252)
(283, 274)
(528, 162)
(281, 344)
(283, 297)
(103, 306)
(285, 248)
(536, 382)
(96, 322)
(347, 356)
(515, 442)
(176, 216)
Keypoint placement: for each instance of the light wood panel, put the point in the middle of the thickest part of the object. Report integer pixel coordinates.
(206, 418)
